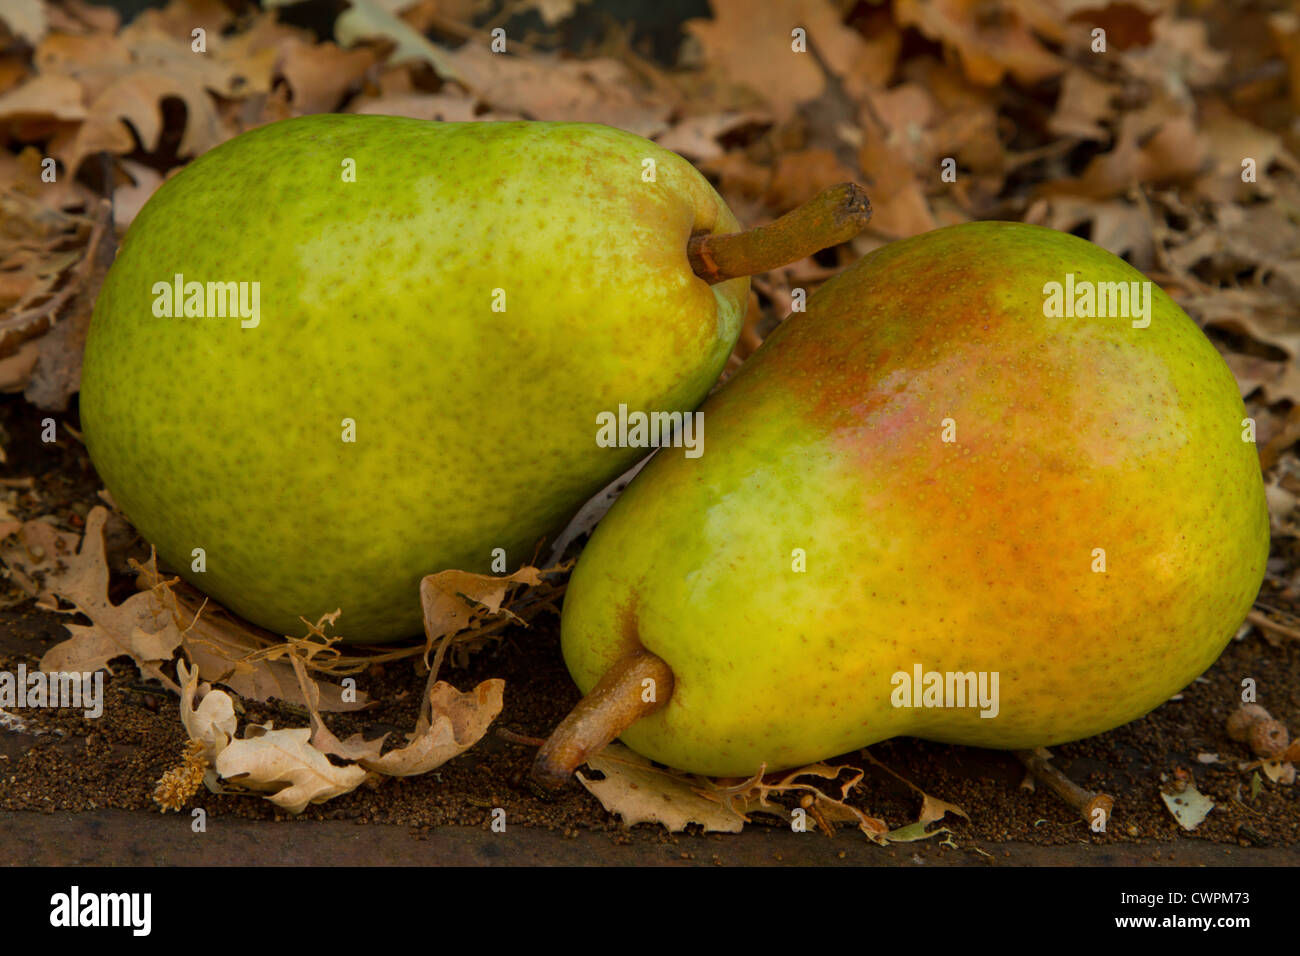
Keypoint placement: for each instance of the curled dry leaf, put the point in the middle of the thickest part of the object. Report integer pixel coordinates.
(451, 724)
(639, 792)
(460, 606)
(286, 767)
(291, 766)
(212, 723)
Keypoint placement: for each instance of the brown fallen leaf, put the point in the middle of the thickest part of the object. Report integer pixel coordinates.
(368, 19)
(1085, 104)
(52, 96)
(443, 107)
(139, 627)
(56, 377)
(130, 197)
(26, 19)
(228, 650)
(136, 98)
(757, 53)
(462, 606)
(319, 75)
(450, 724)
(1116, 225)
(990, 41)
(696, 137)
(801, 175)
(827, 811)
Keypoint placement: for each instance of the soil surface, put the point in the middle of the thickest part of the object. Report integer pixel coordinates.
(62, 763)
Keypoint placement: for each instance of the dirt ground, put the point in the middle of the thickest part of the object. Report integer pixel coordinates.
(63, 762)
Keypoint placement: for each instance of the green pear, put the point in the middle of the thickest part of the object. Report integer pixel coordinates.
(961, 499)
(431, 318)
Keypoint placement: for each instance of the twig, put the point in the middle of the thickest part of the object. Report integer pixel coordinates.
(1084, 801)
(515, 738)
(1260, 620)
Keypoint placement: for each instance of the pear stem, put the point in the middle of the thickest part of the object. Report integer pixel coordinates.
(614, 704)
(834, 215)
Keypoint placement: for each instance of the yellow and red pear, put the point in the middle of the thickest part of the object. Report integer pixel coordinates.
(939, 469)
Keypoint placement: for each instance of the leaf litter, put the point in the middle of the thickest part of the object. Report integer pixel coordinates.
(1140, 150)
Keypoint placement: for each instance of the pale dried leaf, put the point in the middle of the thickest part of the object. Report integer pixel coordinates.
(212, 723)
(287, 768)
(638, 792)
(1189, 807)
(26, 19)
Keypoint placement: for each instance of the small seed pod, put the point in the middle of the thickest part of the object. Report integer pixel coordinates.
(1268, 738)
(1245, 717)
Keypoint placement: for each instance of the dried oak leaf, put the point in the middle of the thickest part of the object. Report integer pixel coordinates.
(454, 601)
(758, 52)
(1085, 104)
(367, 19)
(1251, 311)
(320, 74)
(1178, 59)
(53, 97)
(286, 767)
(78, 16)
(639, 792)
(827, 811)
(990, 41)
(1154, 145)
(228, 650)
(1233, 140)
(696, 137)
(56, 375)
(1117, 226)
(450, 724)
(140, 627)
(1284, 28)
(26, 19)
(898, 203)
(799, 176)
(443, 107)
(136, 98)
(542, 87)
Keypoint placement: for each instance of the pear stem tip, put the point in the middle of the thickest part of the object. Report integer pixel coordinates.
(834, 215)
